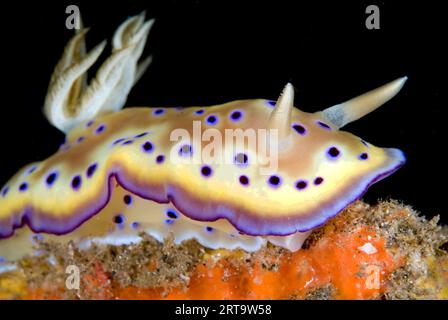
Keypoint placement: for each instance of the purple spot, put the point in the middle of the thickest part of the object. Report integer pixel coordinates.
(127, 199)
(89, 124)
(236, 115)
(363, 156)
(271, 103)
(212, 119)
(127, 142)
(141, 135)
(185, 150)
(91, 170)
(244, 180)
(169, 221)
(333, 152)
(119, 219)
(301, 184)
(118, 141)
(364, 143)
(209, 229)
(198, 112)
(299, 129)
(318, 181)
(323, 125)
(76, 182)
(23, 186)
(80, 139)
(158, 112)
(32, 169)
(147, 146)
(51, 178)
(2, 259)
(241, 159)
(206, 171)
(171, 214)
(160, 158)
(274, 180)
(5, 191)
(100, 129)
(135, 225)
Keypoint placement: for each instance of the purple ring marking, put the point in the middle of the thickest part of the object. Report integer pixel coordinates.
(51, 178)
(158, 112)
(119, 219)
(318, 181)
(333, 152)
(212, 119)
(244, 180)
(127, 199)
(76, 182)
(141, 135)
(91, 170)
(147, 146)
(323, 125)
(160, 158)
(170, 213)
(363, 156)
(185, 150)
(275, 181)
(299, 129)
(5, 191)
(100, 129)
(206, 171)
(118, 141)
(236, 115)
(301, 184)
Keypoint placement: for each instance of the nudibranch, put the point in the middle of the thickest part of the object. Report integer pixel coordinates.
(175, 171)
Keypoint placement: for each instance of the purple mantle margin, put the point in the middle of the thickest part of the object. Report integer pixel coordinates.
(246, 222)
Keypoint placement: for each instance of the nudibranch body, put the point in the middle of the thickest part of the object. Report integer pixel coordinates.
(236, 175)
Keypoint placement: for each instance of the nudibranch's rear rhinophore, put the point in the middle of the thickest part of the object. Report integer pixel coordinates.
(121, 173)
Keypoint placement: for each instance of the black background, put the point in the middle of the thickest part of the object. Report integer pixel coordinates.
(213, 52)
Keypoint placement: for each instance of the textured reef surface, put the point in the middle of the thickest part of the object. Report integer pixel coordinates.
(386, 251)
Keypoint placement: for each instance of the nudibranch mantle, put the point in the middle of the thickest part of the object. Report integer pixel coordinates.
(120, 172)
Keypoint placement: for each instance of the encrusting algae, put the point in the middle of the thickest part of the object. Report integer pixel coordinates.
(386, 251)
